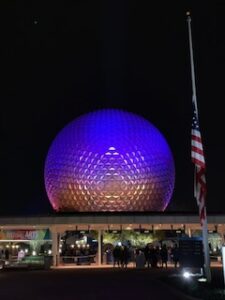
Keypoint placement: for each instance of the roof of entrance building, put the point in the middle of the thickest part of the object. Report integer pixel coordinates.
(110, 218)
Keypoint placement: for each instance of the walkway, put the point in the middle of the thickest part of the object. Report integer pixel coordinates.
(86, 284)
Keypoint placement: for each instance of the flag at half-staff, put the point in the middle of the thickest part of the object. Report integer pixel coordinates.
(197, 156)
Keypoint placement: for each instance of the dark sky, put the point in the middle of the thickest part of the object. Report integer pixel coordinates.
(60, 59)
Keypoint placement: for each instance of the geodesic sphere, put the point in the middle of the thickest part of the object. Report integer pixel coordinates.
(109, 160)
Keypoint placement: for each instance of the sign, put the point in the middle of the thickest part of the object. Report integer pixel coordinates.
(24, 235)
(191, 252)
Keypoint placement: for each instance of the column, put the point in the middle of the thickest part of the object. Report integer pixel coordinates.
(55, 246)
(100, 238)
(189, 232)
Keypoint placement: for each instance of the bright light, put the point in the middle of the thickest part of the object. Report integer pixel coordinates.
(26, 250)
(49, 251)
(186, 275)
(203, 279)
(34, 253)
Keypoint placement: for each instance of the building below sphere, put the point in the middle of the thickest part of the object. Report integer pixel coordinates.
(36, 234)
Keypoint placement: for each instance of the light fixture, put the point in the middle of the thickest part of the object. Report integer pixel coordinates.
(202, 279)
(186, 274)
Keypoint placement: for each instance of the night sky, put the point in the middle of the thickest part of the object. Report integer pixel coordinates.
(61, 59)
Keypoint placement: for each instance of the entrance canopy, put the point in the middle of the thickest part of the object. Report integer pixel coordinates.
(106, 221)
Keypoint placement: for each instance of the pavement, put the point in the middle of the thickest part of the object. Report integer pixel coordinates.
(95, 283)
(86, 284)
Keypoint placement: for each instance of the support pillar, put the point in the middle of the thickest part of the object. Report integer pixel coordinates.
(55, 247)
(189, 232)
(100, 238)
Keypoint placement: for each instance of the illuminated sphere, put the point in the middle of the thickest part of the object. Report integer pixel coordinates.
(109, 160)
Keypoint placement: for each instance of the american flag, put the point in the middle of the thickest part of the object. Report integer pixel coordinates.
(197, 156)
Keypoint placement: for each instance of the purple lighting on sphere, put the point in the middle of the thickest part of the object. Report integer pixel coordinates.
(109, 160)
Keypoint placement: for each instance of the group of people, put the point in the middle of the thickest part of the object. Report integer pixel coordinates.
(151, 256)
(4, 254)
(159, 257)
(121, 256)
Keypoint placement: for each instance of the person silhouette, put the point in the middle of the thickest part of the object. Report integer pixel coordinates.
(164, 256)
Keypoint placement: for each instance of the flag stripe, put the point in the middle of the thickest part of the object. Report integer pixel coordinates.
(195, 132)
(197, 145)
(198, 163)
(198, 158)
(197, 150)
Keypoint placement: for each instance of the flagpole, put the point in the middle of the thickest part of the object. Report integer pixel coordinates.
(204, 223)
(192, 80)
(192, 61)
